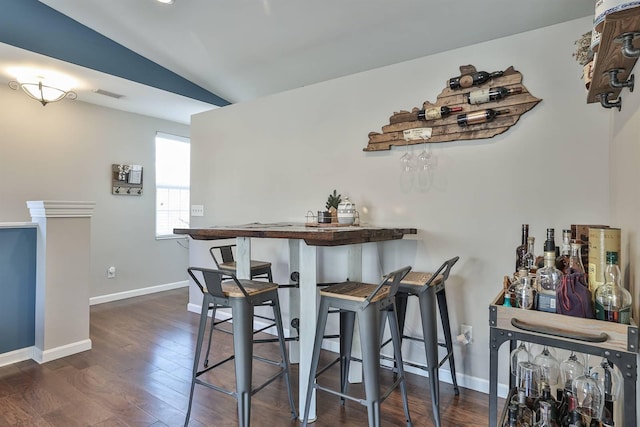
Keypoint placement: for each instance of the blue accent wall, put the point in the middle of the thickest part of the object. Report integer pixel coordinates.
(17, 288)
(34, 26)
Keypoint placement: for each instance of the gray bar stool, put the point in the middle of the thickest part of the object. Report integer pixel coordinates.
(242, 296)
(428, 287)
(372, 304)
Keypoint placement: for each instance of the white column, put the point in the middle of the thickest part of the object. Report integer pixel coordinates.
(308, 320)
(243, 257)
(354, 273)
(62, 278)
(294, 297)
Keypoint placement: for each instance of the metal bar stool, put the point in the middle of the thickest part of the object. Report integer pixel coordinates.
(371, 303)
(242, 296)
(428, 287)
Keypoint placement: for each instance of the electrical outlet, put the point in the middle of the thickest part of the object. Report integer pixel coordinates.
(197, 210)
(467, 332)
(111, 272)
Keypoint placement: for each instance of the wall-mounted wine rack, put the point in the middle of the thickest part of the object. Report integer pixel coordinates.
(405, 128)
(617, 55)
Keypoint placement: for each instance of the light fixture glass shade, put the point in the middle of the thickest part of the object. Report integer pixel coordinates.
(41, 92)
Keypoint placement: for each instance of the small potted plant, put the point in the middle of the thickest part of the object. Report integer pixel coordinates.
(332, 205)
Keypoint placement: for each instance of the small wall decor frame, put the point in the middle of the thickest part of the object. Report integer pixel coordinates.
(126, 180)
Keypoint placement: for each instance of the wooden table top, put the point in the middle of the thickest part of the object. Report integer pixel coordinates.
(313, 236)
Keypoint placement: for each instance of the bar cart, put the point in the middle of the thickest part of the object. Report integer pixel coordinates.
(616, 342)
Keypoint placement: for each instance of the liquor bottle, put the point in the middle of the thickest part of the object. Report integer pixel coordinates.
(613, 302)
(437, 112)
(547, 398)
(525, 293)
(562, 262)
(548, 278)
(546, 418)
(481, 96)
(575, 258)
(512, 419)
(522, 249)
(525, 414)
(529, 259)
(549, 245)
(573, 418)
(472, 79)
(478, 117)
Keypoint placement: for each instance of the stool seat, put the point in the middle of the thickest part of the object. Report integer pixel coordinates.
(355, 291)
(254, 265)
(251, 287)
(417, 278)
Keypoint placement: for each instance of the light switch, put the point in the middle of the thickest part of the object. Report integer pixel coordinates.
(197, 210)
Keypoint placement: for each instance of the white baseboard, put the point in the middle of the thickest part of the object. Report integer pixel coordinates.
(16, 356)
(62, 351)
(138, 292)
(473, 383)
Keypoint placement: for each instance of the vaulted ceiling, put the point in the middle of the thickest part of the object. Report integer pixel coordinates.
(171, 61)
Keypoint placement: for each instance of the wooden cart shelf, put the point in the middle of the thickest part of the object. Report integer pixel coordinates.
(616, 342)
(610, 55)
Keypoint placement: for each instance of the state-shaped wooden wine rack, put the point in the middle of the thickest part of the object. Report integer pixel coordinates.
(447, 129)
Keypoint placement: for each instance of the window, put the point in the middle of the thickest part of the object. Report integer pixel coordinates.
(172, 183)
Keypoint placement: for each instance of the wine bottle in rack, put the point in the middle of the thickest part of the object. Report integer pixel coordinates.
(481, 96)
(472, 79)
(478, 117)
(437, 112)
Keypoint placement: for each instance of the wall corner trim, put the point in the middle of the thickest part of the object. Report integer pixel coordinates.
(60, 209)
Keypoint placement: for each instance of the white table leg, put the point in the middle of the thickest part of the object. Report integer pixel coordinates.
(354, 273)
(243, 257)
(308, 320)
(294, 297)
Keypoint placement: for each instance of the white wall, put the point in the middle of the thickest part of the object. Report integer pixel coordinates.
(64, 151)
(274, 158)
(625, 176)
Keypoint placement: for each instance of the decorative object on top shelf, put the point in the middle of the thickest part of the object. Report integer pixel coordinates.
(126, 180)
(584, 54)
(333, 201)
(487, 105)
(618, 51)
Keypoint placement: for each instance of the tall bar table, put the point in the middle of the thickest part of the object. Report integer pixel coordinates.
(303, 243)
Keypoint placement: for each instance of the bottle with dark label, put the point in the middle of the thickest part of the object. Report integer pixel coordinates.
(478, 117)
(481, 96)
(472, 79)
(548, 278)
(521, 250)
(437, 112)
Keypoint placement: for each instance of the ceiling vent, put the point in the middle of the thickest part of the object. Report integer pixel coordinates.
(107, 93)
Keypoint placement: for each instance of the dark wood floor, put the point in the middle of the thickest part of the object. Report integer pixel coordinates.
(138, 374)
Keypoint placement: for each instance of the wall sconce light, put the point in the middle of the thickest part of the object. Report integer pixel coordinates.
(42, 93)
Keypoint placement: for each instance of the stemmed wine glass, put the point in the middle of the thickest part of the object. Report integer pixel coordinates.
(549, 367)
(426, 162)
(570, 369)
(520, 354)
(610, 381)
(589, 396)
